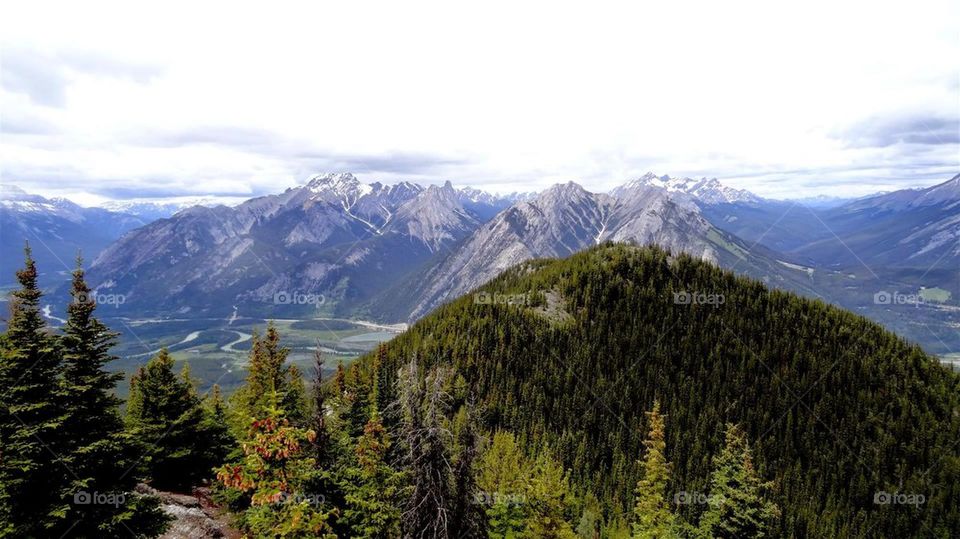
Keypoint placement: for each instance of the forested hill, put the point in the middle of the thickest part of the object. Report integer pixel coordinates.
(846, 420)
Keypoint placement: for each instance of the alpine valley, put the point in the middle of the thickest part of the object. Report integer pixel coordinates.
(336, 247)
(502, 362)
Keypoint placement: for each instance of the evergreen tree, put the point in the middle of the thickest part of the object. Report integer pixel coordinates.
(97, 450)
(651, 513)
(373, 489)
(466, 519)
(318, 419)
(32, 475)
(274, 471)
(268, 372)
(427, 514)
(503, 482)
(166, 416)
(216, 427)
(548, 495)
(738, 508)
(590, 518)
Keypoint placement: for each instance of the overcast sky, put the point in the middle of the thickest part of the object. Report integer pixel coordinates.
(117, 100)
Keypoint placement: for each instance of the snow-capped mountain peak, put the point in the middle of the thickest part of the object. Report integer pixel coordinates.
(343, 184)
(705, 190)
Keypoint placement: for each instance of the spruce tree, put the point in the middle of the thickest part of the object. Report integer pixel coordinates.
(738, 508)
(548, 494)
(651, 512)
(32, 471)
(268, 372)
(503, 480)
(374, 490)
(216, 428)
(274, 471)
(165, 414)
(96, 447)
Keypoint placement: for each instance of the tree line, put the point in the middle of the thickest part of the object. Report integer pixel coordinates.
(475, 423)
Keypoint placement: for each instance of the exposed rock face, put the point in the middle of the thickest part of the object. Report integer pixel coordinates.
(561, 221)
(704, 190)
(333, 237)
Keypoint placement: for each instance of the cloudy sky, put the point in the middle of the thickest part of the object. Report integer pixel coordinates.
(106, 101)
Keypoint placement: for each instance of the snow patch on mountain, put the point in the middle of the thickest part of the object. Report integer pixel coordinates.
(704, 190)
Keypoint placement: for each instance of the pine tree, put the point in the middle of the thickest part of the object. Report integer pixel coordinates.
(268, 372)
(427, 514)
(340, 381)
(548, 494)
(216, 420)
(32, 474)
(374, 490)
(295, 398)
(651, 513)
(738, 508)
(97, 449)
(165, 414)
(274, 471)
(466, 519)
(590, 518)
(503, 481)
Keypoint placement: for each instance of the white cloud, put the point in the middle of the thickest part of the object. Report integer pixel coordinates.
(510, 96)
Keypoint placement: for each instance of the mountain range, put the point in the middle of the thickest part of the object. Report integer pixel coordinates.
(334, 239)
(337, 246)
(57, 230)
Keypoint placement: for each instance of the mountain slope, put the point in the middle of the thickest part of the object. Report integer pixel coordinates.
(56, 229)
(908, 228)
(565, 219)
(334, 241)
(838, 410)
(705, 190)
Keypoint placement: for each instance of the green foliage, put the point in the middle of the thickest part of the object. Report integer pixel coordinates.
(63, 445)
(165, 414)
(98, 453)
(652, 516)
(816, 387)
(374, 490)
(524, 497)
(268, 373)
(31, 417)
(737, 507)
(274, 470)
(591, 518)
(548, 494)
(502, 479)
